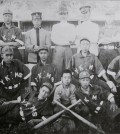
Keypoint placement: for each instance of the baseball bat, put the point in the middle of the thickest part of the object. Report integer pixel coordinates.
(51, 118)
(80, 118)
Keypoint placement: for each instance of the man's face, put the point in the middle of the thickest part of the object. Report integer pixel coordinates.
(66, 79)
(7, 18)
(36, 22)
(7, 57)
(63, 16)
(85, 13)
(44, 92)
(85, 45)
(84, 82)
(43, 55)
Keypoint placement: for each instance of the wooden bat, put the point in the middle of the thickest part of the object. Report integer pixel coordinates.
(51, 118)
(80, 118)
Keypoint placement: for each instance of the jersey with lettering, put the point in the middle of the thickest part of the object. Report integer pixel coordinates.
(79, 63)
(12, 77)
(43, 73)
(35, 108)
(95, 100)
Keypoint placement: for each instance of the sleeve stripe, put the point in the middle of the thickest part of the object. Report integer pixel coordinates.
(33, 84)
(111, 73)
(27, 76)
(101, 73)
(110, 96)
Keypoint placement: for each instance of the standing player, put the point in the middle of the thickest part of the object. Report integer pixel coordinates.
(10, 35)
(62, 36)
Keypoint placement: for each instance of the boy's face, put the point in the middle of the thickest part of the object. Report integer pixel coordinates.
(7, 57)
(44, 92)
(66, 79)
(43, 55)
(85, 45)
(7, 18)
(84, 82)
(36, 22)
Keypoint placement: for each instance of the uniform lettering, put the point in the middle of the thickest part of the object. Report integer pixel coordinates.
(76, 70)
(86, 100)
(48, 75)
(81, 68)
(18, 74)
(2, 82)
(94, 97)
(90, 67)
(7, 78)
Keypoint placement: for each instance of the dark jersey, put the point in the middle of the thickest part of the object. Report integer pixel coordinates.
(96, 98)
(7, 35)
(43, 73)
(35, 108)
(12, 78)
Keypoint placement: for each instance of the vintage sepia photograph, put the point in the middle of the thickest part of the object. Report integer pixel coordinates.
(59, 67)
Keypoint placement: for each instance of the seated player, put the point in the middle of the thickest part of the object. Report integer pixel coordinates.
(65, 94)
(43, 71)
(97, 103)
(85, 60)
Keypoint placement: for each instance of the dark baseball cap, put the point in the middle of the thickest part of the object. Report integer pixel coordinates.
(48, 85)
(7, 50)
(84, 74)
(43, 48)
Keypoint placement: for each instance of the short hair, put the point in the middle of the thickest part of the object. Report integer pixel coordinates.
(67, 71)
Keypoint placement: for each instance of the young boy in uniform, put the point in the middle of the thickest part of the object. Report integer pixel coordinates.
(65, 94)
(85, 60)
(97, 103)
(43, 71)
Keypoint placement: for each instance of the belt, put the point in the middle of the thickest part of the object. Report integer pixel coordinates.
(108, 47)
(62, 45)
(11, 87)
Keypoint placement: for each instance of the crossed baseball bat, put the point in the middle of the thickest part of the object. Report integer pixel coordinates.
(51, 118)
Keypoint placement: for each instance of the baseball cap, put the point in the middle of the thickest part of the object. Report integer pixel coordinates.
(43, 48)
(85, 38)
(84, 74)
(84, 8)
(37, 14)
(7, 11)
(7, 50)
(48, 85)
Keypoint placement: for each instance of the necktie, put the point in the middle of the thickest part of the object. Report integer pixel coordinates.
(38, 43)
(37, 36)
